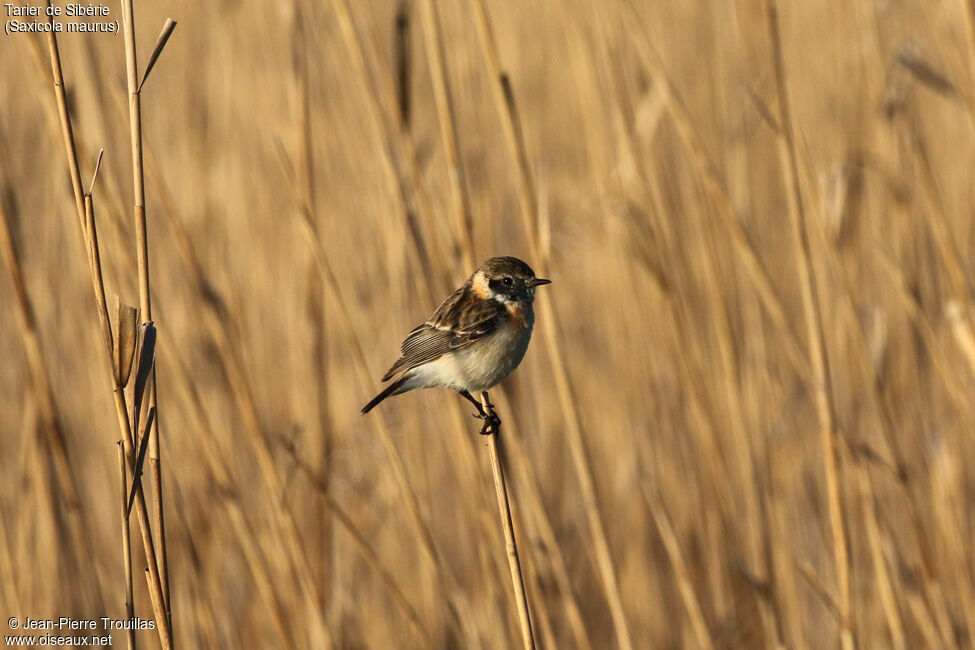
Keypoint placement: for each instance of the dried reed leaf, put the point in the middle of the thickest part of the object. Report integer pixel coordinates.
(147, 348)
(94, 174)
(164, 35)
(127, 326)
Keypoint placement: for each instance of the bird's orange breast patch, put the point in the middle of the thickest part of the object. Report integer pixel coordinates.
(517, 315)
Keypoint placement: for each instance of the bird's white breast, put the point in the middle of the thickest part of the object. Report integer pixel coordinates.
(486, 362)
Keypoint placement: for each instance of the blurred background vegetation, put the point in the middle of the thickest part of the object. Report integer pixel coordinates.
(303, 218)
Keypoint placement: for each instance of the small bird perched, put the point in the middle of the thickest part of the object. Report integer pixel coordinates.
(474, 339)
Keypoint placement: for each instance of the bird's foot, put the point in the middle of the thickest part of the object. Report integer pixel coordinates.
(492, 423)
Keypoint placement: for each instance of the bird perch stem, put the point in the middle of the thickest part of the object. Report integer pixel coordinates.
(514, 564)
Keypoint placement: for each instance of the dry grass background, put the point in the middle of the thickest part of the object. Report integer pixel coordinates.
(695, 400)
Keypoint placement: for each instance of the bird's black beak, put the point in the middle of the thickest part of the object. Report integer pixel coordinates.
(537, 282)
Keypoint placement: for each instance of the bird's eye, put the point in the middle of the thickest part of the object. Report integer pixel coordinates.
(508, 281)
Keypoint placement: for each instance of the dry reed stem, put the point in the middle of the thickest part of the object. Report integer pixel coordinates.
(361, 365)
(531, 495)
(398, 163)
(138, 180)
(446, 578)
(448, 581)
(62, 100)
(782, 551)
(535, 589)
(511, 546)
(712, 422)
(283, 517)
(924, 620)
(728, 372)
(528, 201)
(888, 597)
(129, 442)
(362, 543)
(126, 545)
(398, 167)
(649, 180)
(920, 320)
(30, 334)
(57, 470)
(684, 584)
(134, 86)
(321, 524)
(214, 315)
(219, 326)
(10, 587)
(716, 192)
(969, 9)
(625, 119)
(98, 285)
(448, 130)
(225, 483)
(94, 262)
(74, 170)
(901, 469)
(950, 257)
(816, 338)
(407, 155)
(152, 572)
(40, 381)
(539, 619)
(457, 177)
(963, 333)
(695, 378)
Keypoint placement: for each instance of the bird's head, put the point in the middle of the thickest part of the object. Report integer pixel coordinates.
(507, 280)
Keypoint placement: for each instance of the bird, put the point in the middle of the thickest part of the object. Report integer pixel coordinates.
(473, 340)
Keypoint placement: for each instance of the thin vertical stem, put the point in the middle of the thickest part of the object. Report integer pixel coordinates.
(723, 208)
(684, 584)
(514, 563)
(152, 571)
(885, 588)
(145, 303)
(398, 156)
(528, 200)
(30, 333)
(962, 331)
(126, 544)
(138, 179)
(62, 99)
(814, 326)
(531, 497)
(448, 130)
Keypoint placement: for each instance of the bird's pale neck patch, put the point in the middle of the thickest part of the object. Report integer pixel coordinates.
(481, 287)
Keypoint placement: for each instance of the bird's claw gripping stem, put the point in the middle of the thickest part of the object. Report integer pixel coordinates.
(492, 423)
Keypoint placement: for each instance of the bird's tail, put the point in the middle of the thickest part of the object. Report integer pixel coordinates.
(389, 390)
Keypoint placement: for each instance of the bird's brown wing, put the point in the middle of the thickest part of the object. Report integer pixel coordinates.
(457, 323)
